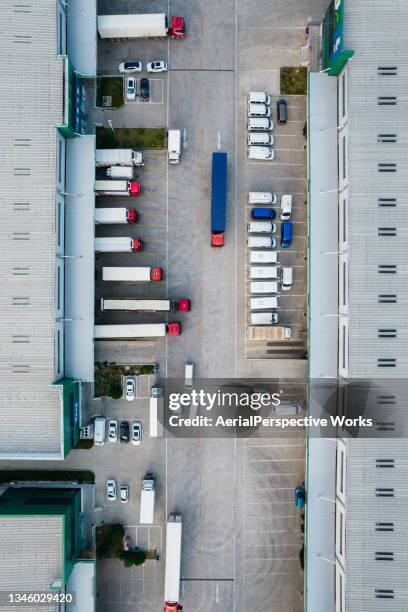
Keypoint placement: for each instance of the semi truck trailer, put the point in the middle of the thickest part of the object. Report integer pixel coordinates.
(149, 330)
(131, 274)
(151, 25)
(147, 500)
(118, 157)
(182, 305)
(218, 198)
(268, 333)
(115, 215)
(122, 188)
(174, 146)
(118, 245)
(173, 563)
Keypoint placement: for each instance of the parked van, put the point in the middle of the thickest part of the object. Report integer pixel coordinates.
(261, 124)
(258, 97)
(263, 213)
(282, 111)
(262, 197)
(120, 172)
(263, 272)
(286, 234)
(287, 278)
(188, 374)
(263, 287)
(288, 409)
(286, 207)
(258, 110)
(263, 303)
(260, 138)
(263, 257)
(261, 242)
(99, 430)
(261, 227)
(261, 153)
(264, 318)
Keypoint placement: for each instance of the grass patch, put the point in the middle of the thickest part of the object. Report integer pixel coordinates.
(110, 88)
(82, 476)
(131, 138)
(108, 377)
(293, 81)
(109, 541)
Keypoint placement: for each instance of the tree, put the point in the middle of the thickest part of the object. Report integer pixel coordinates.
(133, 557)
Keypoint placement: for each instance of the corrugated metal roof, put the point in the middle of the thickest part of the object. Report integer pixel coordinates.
(81, 35)
(31, 99)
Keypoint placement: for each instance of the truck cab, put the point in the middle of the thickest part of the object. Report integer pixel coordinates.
(173, 329)
(178, 27)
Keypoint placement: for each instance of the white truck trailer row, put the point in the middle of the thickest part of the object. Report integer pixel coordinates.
(114, 216)
(134, 331)
(131, 274)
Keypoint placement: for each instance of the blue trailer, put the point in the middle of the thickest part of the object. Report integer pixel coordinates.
(218, 198)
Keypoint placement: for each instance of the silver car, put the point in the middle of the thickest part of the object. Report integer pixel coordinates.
(129, 66)
(156, 66)
(111, 489)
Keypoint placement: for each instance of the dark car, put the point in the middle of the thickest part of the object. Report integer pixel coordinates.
(144, 90)
(124, 430)
(282, 111)
(263, 213)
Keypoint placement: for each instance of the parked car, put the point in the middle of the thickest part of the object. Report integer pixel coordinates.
(113, 430)
(260, 139)
(124, 432)
(127, 543)
(156, 391)
(286, 234)
(136, 432)
(261, 153)
(131, 89)
(124, 494)
(300, 496)
(156, 66)
(286, 207)
(282, 111)
(144, 89)
(130, 389)
(262, 197)
(263, 213)
(287, 279)
(111, 489)
(130, 66)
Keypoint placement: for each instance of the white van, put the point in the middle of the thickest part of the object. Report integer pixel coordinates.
(264, 318)
(260, 138)
(120, 172)
(261, 153)
(258, 97)
(258, 110)
(261, 242)
(263, 303)
(188, 374)
(288, 409)
(261, 227)
(287, 278)
(99, 430)
(286, 207)
(263, 272)
(260, 124)
(263, 287)
(263, 257)
(262, 197)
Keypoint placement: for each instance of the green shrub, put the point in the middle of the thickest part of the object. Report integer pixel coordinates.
(115, 391)
(148, 369)
(109, 541)
(133, 557)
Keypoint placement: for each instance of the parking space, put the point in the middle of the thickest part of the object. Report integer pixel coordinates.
(156, 91)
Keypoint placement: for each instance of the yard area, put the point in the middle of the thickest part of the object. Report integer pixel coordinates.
(109, 92)
(108, 377)
(293, 81)
(131, 138)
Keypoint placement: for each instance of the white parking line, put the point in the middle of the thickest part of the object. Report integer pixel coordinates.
(269, 460)
(272, 161)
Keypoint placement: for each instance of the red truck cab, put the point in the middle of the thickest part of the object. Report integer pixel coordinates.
(134, 188)
(173, 607)
(217, 240)
(173, 329)
(156, 274)
(178, 27)
(132, 216)
(183, 305)
(137, 244)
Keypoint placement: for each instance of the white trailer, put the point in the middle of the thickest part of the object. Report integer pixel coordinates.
(120, 172)
(269, 333)
(174, 146)
(263, 303)
(173, 560)
(117, 245)
(121, 188)
(263, 272)
(131, 274)
(147, 500)
(132, 26)
(115, 215)
(260, 287)
(118, 157)
(141, 330)
(138, 305)
(263, 257)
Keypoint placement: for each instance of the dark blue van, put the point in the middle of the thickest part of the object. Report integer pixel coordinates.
(286, 234)
(263, 213)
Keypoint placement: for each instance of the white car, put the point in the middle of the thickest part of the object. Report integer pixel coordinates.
(129, 66)
(156, 66)
(130, 389)
(286, 207)
(136, 433)
(124, 494)
(261, 153)
(111, 490)
(113, 431)
(131, 89)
